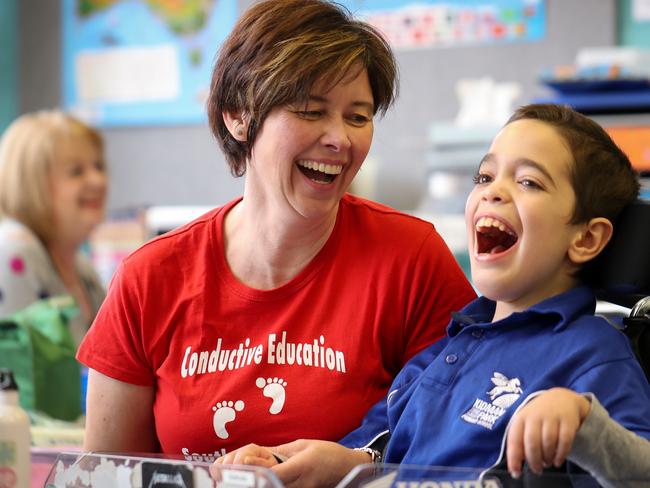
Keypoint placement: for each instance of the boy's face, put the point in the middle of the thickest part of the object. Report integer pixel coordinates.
(518, 216)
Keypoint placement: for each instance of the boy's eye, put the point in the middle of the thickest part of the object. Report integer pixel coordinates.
(481, 178)
(528, 183)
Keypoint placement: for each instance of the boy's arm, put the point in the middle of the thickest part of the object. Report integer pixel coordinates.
(542, 430)
(374, 429)
(561, 424)
(609, 451)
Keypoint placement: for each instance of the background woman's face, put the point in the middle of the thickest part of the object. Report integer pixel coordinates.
(306, 155)
(78, 184)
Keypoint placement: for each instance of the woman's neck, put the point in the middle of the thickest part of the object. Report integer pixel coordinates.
(64, 260)
(265, 251)
(63, 256)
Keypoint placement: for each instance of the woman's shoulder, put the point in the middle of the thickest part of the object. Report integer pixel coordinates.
(18, 238)
(182, 243)
(385, 217)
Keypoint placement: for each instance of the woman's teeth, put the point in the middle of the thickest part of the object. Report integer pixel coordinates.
(330, 169)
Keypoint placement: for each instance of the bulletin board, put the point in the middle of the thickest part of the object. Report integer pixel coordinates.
(141, 62)
(409, 24)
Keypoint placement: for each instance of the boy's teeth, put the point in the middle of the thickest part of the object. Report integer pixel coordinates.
(330, 169)
(490, 222)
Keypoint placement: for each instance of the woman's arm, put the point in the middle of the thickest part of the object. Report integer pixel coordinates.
(119, 416)
(306, 462)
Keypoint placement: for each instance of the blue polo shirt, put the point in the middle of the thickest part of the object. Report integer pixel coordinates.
(451, 404)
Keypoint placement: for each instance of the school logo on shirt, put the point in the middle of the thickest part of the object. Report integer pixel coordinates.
(503, 394)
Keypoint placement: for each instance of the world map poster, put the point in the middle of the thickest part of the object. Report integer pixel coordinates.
(141, 62)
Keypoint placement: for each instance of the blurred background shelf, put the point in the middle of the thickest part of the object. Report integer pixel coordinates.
(608, 102)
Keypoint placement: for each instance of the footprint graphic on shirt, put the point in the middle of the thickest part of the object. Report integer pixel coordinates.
(273, 389)
(225, 412)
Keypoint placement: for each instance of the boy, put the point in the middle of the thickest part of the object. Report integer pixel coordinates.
(546, 196)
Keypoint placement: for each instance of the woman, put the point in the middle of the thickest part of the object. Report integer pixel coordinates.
(53, 188)
(287, 312)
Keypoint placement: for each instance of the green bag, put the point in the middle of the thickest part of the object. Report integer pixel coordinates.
(36, 344)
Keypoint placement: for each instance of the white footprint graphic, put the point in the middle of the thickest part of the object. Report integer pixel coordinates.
(224, 412)
(274, 389)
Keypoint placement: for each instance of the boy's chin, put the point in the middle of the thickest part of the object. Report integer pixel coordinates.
(490, 287)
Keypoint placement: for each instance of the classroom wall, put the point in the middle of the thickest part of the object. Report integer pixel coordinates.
(182, 165)
(8, 62)
(632, 31)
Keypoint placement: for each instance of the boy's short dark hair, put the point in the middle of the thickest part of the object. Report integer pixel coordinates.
(602, 177)
(277, 51)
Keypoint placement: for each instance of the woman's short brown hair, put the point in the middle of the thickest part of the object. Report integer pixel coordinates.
(277, 51)
(28, 149)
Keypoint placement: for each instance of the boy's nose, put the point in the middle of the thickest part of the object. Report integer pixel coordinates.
(494, 193)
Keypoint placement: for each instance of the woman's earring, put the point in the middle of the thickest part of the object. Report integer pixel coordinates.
(240, 132)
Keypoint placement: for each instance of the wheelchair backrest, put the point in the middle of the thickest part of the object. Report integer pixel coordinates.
(622, 275)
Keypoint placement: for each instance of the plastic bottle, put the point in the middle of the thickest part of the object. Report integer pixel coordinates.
(14, 435)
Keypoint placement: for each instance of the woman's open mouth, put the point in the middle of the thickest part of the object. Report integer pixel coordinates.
(321, 173)
(493, 236)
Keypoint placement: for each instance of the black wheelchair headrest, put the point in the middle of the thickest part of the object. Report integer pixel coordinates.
(621, 274)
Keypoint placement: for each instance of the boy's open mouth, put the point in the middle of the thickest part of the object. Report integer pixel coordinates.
(319, 172)
(493, 236)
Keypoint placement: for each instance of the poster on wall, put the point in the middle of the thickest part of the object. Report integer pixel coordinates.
(414, 24)
(141, 62)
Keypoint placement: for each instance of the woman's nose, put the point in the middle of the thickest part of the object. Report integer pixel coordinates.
(336, 135)
(97, 177)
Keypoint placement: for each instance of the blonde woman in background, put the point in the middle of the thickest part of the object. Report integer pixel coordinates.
(53, 187)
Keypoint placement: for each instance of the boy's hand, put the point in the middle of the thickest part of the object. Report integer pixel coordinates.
(310, 463)
(542, 432)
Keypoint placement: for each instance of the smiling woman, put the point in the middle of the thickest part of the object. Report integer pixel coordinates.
(286, 312)
(53, 188)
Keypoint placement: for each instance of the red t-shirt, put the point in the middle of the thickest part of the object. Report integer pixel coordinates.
(233, 365)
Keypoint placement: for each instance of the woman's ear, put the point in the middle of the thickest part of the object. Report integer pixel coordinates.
(236, 124)
(591, 240)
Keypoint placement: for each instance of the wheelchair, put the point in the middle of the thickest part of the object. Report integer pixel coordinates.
(622, 277)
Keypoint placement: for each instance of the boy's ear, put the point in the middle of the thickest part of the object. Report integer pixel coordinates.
(591, 240)
(236, 124)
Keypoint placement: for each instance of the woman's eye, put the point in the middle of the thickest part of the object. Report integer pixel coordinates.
(481, 178)
(359, 119)
(75, 170)
(309, 114)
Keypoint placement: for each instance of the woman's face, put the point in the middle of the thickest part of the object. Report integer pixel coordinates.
(306, 155)
(78, 184)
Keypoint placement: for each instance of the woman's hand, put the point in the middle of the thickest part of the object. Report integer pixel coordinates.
(251, 455)
(315, 463)
(542, 432)
(310, 463)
